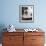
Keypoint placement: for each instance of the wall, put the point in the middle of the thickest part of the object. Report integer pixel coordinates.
(9, 13)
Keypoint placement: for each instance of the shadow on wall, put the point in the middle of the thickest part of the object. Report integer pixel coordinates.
(2, 26)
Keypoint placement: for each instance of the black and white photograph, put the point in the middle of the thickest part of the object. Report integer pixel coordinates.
(26, 13)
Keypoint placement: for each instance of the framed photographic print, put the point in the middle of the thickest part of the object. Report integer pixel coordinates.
(26, 13)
